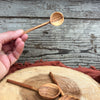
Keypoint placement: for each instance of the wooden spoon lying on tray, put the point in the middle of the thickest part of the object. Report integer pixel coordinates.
(47, 91)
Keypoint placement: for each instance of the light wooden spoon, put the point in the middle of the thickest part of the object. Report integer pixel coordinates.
(47, 91)
(56, 19)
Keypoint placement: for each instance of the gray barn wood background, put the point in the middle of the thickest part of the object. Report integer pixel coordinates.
(76, 42)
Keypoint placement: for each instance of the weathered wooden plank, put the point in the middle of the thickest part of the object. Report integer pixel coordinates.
(76, 42)
(43, 8)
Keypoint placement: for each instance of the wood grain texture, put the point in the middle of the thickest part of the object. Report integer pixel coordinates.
(43, 8)
(76, 42)
(69, 80)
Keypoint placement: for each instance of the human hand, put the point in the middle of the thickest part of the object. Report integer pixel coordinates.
(11, 47)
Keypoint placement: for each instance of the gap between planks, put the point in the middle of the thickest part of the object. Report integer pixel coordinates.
(27, 17)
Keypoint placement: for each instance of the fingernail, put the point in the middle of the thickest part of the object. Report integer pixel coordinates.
(20, 31)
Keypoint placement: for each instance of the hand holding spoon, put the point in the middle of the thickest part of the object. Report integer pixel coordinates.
(64, 97)
(47, 91)
(56, 19)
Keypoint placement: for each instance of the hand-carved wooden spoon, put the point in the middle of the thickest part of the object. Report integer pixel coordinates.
(56, 19)
(47, 91)
(64, 97)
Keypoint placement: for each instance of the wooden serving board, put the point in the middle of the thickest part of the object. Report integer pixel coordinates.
(71, 81)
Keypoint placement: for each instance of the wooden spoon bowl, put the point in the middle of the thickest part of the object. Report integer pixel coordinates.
(49, 91)
(56, 18)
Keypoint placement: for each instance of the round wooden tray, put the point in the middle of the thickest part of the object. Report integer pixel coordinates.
(71, 81)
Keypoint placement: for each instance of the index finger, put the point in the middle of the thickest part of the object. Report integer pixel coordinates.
(10, 35)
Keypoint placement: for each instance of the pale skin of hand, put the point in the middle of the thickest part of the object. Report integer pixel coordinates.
(11, 47)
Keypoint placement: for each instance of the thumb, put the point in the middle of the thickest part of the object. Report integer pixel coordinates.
(10, 35)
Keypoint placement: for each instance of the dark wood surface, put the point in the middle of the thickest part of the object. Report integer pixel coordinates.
(76, 42)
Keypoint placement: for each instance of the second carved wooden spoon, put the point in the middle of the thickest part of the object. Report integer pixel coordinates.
(47, 91)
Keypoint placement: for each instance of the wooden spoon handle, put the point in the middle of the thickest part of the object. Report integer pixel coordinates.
(22, 85)
(54, 80)
(33, 28)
